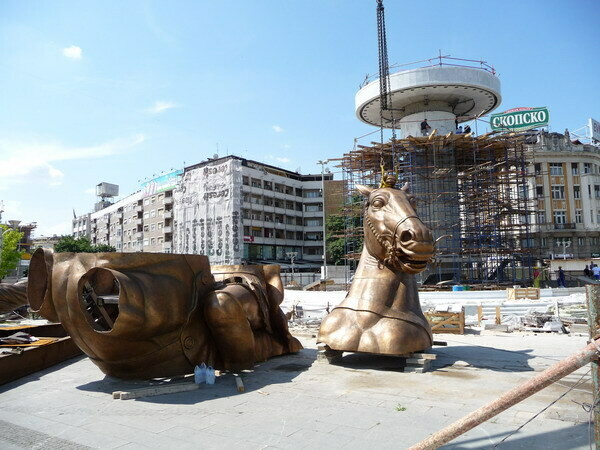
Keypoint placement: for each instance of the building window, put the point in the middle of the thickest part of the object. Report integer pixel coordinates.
(146, 242)
(153, 241)
(312, 194)
(257, 232)
(594, 241)
(544, 242)
(147, 201)
(538, 168)
(541, 217)
(556, 169)
(587, 168)
(147, 215)
(558, 192)
(314, 222)
(159, 225)
(153, 213)
(146, 229)
(313, 208)
(577, 192)
(539, 191)
(256, 183)
(560, 217)
(153, 227)
(578, 216)
(154, 199)
(597, 191)
(161, 212)
(575, 168)
(580, 241)
(245, 181)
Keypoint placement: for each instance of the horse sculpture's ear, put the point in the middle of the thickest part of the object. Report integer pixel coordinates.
(406, 187)
(364, 190)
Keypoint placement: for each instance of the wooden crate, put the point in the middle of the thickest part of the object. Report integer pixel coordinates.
(530, 293)
(447, 322)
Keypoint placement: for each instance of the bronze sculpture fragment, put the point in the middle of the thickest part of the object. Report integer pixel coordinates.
(381, 312)
(12, 296)
(141, 315)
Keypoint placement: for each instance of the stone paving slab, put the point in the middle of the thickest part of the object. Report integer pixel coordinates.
(296, 402)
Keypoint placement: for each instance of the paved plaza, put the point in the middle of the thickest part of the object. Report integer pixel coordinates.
(297, 402)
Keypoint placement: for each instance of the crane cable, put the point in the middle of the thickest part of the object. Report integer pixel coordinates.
(385, 101)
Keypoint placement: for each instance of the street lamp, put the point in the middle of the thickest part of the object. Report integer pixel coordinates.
(564, 243)
(292, 256)
(324, 215)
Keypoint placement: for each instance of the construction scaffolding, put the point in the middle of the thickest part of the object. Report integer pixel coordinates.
(472, 190)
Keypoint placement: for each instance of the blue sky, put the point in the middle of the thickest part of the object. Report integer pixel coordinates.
(117, 91)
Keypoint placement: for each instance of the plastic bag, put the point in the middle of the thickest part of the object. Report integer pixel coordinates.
(210, 375)
(200, 374)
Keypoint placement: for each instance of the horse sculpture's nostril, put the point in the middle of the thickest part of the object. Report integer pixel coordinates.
(406, 236)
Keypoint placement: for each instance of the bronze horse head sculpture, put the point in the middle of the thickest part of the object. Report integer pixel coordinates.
(381, 313)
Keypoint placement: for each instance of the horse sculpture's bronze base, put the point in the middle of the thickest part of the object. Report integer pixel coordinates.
(381, 313)
(143, 315)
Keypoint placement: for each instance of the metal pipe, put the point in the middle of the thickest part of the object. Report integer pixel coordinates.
(512, 397)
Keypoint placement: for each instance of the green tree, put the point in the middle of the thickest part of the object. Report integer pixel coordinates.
(80, 245)
(9, 254)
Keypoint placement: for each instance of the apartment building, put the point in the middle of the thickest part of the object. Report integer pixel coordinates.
(231, 209)
(566, 188)
(234, 210)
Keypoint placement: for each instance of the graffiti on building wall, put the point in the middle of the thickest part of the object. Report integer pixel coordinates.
(207, 213)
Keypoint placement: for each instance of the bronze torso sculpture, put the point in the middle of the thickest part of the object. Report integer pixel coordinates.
(381, 313)
(12, 296)
(141, 315)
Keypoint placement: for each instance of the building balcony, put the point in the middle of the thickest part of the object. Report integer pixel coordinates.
(139, 208)
(168, 229)
(565, 226)
(168, 200)
(139, 221)
(168, 215)
(138, 235)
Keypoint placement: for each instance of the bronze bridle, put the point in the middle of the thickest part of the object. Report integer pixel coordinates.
(391, 258)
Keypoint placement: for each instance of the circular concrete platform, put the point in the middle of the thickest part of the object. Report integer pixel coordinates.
(455, 92)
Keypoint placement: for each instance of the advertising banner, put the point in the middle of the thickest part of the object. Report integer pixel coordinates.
(160, 184)
(207, 213)
(519, 119)
(595, 130)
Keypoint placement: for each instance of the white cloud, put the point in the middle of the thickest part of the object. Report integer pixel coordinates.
(160, 106)
(277, 129)
(283, 160)
(73, 52)
(59, 229)
(41, 155)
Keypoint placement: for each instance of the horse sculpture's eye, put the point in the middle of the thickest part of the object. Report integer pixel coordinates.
(378, 203)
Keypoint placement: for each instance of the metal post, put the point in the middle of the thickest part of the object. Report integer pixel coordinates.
(324, 224)
(593, 307)
(292, 256)
(559, 370)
